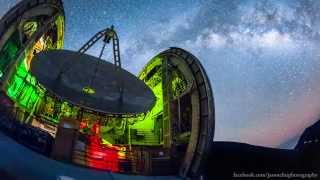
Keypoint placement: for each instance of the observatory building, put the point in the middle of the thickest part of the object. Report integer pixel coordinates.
(82, 110)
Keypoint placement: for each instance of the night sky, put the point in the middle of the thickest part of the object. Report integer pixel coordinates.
(262, 57)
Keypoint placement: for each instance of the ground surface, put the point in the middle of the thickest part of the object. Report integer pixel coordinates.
(17, 162)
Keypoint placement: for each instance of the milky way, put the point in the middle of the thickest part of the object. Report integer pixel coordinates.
(262, 57)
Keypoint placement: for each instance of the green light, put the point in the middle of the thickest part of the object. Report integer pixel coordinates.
(30, 27)
(179, 84)
(88, 90)
(9, 51)
(22, 87)
(150, 125)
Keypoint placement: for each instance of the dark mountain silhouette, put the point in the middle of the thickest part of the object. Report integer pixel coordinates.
(230, 158)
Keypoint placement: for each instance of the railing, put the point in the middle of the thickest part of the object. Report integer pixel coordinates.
(31, 137)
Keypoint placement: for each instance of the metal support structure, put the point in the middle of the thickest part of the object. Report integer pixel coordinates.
(167, 139)
(203, 116)
(107, 35)
(31, 115)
